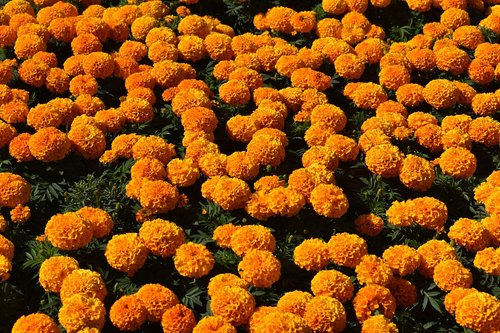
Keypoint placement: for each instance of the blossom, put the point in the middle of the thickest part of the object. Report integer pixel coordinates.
(81, 311)
(485, 104)
(233, 304)
(69, 231)
(151, 146)
(309, 78)
(252, 237)
(126, 253)
(432, 253)
(334, 284)
(312, 254)
(451, 274)
(156, 299)
(478, 311)
(128, 313)
(458, 162)
(36, 322)
(373, 270)
(403, 291)
(87, 140)
(225, 280)
(84, 282)
(101, 221)
(259, 268)
(325, 314)
(402, 259)
(329, 200)
(440, 94)
(488, 260)
(379, 323)
(294, 302)
(54, 270)
(371, 298)
(469, 233)
(347, 249)
(193, 260)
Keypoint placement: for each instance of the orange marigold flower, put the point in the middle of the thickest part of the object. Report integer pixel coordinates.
(303, 21)
(478, 311)
(54, 270)
(233, 304)
(369, 224)
(454, 17)
(225, 280)
(81, 311)
(441, 94)
(98, 64)
(488, 260)
(101, 221)
(213, 164)
(35, 322)
(485, 130)
(373, 270)
(485, 104)
(182, 173)
(432, 253)
(334, 284)
(410, 94)
(89, 141)
(161, 237)
(429, 213)
(156, 299)
(260, 268)
(403, 291)
(158, 196)
(294, 302)
(417, 173)
(6, 248)
(126, 253)
(320, 155)
(344, 147)
(137, 110)
(399, 214)
(347, 249)
(470, 234)
(33, 72)
(252, 237)
(234, 92)
(492, 224)
(481, 71)
(372, 298)
(83, 281)
(178, 318)
(68, 231)
(191, 48)
(335, 7)
(384, 160)
(371, 50)
(453, 297)
(309, 78)
(223, 234)
(49, 144)
(128, 313)
(218, 46)
(458, 162)
(329, 200)
(368, 96)
(27, 45)
(20, 214)
(379, 322)
(193, 260)
(86, 44)
(402, 259)
(83, 84)
(213, 324)
(325, 314)
(312, 254)
(451, 274)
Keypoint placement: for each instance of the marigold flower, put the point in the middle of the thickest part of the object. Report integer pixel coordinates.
(373, 270)
(321, 155)
(68, 231)
(325, 314)
(304, 21)
(213, 164)
(419, 119)
(384, 160)
(312, 254)
(213, 324)
(277, 321)
(84, 282)
(279, 19)
(478, 311)
(86, 44)
(470, 234)
(266, 150)
(485, 130)
(432, 253)
(453, 297)
(6, 248)
(252, 237)
(259, 268)
(485, 104)
(329, 200)
(454, 17)
(429, 213)
(191, 48)
(193, 260)
(128, 313)
(294, 302)
(158, 196)
(150, 146)
(20, 214)
(372, 298)
(417, 173)
(233, 304)
(379, 323)
(402, 259)
(334, 284)
(33, 72)
(156, 299)
(225, 280)
(369, 224)
(161, 237)
(49, 144)
(403, 291)
(54, 270)
(492, 224)
(344, 147)
(35, 322)
(458, 162)
(488, 260)
(334, 7)
(44, 115)
(347, 249)
(126, 253)
(430, 137)
(81, 311)
(451, 274)
(308, 78)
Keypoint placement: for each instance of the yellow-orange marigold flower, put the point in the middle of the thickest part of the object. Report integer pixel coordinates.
(193, 260)
(126, 253)
(402, 259)
(81, 311)
(432, 253)
(312, 254)
(161, 237)
(260, 268)
(469, 233)
(83, 281)
(68, 231)
(233, 304)
(451, 274)
(54, 270)
(156, 299)
(35, 322)
(325, 314)
(478, 311)
(332, 283)
(347, 249)
(294, 302)
(128, 313)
